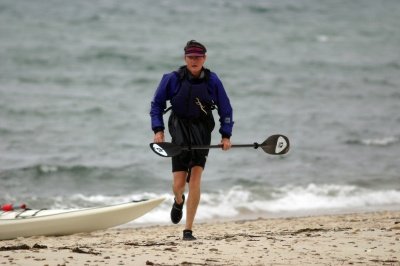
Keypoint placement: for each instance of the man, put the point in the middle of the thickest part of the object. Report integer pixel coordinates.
(193, 92)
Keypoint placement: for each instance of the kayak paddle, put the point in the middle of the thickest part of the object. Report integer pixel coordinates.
(275, 145)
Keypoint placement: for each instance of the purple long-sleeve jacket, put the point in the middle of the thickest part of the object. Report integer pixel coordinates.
(169, 86)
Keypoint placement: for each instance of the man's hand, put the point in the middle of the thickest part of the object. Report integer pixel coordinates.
(159, 137)
(226, 144)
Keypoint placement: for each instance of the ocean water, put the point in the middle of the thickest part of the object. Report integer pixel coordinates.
(77, 78)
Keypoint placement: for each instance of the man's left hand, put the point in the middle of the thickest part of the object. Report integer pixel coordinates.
(226, 144)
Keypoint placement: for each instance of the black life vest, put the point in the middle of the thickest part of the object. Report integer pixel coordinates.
(192, 100)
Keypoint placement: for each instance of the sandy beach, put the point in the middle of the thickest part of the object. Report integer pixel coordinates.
(348, 239)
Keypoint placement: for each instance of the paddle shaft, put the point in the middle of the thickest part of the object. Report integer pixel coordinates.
(205, 147)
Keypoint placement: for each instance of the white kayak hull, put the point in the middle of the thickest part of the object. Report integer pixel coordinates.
(15, 224)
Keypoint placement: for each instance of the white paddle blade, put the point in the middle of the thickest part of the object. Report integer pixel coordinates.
(165, 149)
(281, 145)
(158, 150)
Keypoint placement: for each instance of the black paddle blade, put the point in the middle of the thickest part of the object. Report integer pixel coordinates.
(276, 144)
(166, 149)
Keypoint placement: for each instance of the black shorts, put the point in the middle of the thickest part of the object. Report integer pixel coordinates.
(191, 132)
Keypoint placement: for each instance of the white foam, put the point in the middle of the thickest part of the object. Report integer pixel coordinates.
(380, 141)
(325, 197)
(240, 202)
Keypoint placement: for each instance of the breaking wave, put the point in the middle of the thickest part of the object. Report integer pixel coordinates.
(242, 203)
(385, 141)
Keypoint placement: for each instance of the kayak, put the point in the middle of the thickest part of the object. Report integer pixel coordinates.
(26, 222)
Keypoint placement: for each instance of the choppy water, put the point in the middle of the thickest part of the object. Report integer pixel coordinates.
(77, 78)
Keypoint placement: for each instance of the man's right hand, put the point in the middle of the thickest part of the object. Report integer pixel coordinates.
(159, 137)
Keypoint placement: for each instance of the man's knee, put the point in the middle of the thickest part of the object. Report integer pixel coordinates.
(179, 181)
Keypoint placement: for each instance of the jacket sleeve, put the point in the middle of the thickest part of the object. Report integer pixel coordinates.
(158, 104)
(225, 111)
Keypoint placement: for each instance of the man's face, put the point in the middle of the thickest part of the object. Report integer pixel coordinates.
(195, 63)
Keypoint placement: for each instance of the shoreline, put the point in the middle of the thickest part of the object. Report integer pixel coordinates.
(271, 215)
(371, 238)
